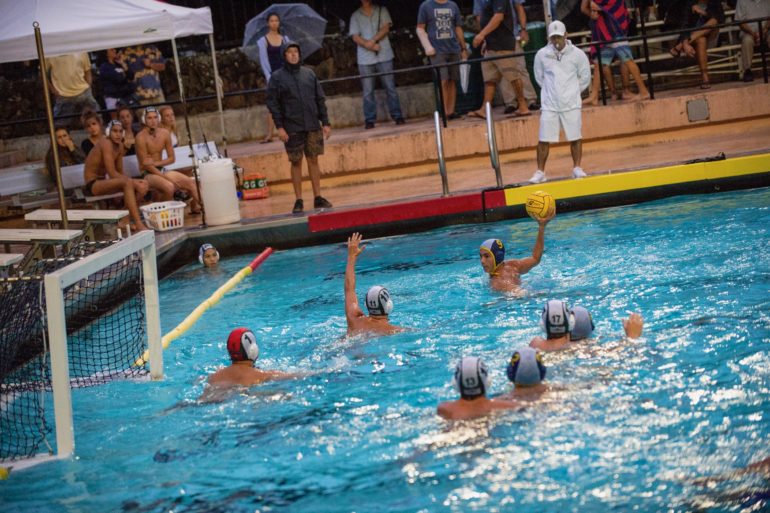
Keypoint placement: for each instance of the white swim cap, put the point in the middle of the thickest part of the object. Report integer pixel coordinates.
(378, 301)
(584, 324)
(111, 124)
(526, 367)
(556, 319)
(471, 377)
(202, 251)
(146, 111)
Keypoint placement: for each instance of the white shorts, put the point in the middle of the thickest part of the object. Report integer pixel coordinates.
(570, 121)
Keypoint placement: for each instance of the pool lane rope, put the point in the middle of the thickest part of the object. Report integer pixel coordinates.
(208, 303)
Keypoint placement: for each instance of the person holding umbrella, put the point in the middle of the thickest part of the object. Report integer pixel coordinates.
(271, 59)
(298, 105)
(369, 27)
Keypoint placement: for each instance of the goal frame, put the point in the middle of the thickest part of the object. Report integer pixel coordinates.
(55, 283)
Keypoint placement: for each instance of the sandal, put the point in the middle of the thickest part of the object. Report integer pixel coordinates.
(705, 85)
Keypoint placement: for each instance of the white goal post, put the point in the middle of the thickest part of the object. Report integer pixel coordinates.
(55, 284)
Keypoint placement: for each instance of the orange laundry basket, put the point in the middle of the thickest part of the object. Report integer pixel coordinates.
(255, 187)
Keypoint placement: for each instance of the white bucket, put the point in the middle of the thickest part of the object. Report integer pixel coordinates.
(219, 196)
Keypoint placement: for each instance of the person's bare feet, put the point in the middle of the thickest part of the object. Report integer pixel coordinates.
(478, 114)
(688, 49)
(631, 97)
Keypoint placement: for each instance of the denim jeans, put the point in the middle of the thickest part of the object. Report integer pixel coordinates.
(388, 82)
(73, 106)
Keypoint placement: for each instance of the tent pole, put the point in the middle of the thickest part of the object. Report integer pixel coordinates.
(220, 93)
(182, 98)
(51, 128)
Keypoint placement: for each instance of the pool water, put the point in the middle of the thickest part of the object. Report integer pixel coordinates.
(629, 426)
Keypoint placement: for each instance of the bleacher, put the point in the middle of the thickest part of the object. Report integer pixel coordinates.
(28, 186)
(724, 58)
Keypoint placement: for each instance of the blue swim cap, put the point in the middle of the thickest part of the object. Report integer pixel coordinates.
(526, 367)
(471, 377)
(496, 248)
(378, 301)
(584, 324)
(556, 319)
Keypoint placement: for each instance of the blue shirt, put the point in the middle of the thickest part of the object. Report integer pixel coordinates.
(440, 21)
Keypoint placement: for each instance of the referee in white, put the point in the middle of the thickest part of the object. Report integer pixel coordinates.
(562, 71)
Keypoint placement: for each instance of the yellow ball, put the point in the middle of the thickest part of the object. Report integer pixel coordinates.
(540, 205)
(4, 473)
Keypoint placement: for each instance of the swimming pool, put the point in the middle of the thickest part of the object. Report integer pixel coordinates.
(632, 424)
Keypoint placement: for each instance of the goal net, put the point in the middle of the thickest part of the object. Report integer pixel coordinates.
(70, 322)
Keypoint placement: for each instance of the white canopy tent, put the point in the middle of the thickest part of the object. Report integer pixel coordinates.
(74, 26)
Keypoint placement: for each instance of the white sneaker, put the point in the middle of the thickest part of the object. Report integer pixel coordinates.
(538, 177)
(577, 172)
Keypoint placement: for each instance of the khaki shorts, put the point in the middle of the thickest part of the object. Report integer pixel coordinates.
(511, 69)
(310, 144)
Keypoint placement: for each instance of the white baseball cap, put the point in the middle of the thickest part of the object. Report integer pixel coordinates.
(556, 28)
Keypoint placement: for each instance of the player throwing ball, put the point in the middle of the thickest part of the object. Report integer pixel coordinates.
(505, 275)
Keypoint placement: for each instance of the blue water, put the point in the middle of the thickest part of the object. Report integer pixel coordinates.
(630, 426)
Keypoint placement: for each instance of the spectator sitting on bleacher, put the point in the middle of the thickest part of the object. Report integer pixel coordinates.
(701, 16)
(609, 21)
(168, 121)
(103, 173)
(150, 144)
(114, 79)
(92, 124)
(126, 118)
(69, 154)
(751, 36)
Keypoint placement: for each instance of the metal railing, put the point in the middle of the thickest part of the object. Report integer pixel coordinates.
(440, 151)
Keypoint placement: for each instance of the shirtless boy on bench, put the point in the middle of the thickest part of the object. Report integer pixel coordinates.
(103, 173)
(150, 143)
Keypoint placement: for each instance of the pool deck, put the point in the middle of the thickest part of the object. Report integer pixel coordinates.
(408, 197)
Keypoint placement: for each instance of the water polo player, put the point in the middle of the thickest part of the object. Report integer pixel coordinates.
(471, 380)
(208, 255)
(557, 321)
(505, 275)
(243, 350)
(378, 301)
